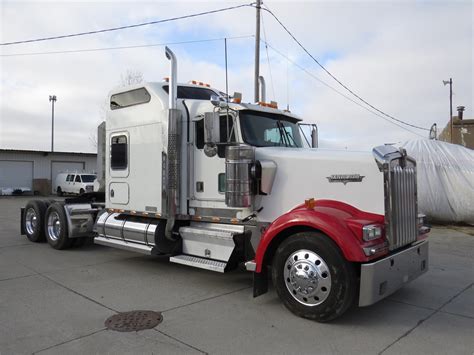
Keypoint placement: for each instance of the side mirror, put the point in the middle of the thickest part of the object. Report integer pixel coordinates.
(211, 128)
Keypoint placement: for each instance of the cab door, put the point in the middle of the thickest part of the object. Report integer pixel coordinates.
(209, 167)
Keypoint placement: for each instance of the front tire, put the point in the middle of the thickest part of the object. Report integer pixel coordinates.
(34, 220)
(59, 192)
(55, 228)
(312, 278)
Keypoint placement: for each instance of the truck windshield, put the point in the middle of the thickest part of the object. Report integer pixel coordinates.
(88, 178)
(269, 130)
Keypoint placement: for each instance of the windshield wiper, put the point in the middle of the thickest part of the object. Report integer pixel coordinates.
(288, 135)
(283, 139)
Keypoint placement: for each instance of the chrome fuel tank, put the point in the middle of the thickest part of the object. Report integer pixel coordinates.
(128, 228)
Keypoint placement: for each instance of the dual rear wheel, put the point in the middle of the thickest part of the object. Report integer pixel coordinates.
(46, 220)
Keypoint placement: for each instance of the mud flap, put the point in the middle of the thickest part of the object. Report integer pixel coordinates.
(260, 282)
(22, 222)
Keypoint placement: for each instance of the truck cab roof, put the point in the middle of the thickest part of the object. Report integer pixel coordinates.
(186, 91)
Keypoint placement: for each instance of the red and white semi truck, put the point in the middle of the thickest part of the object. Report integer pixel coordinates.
(215, 184)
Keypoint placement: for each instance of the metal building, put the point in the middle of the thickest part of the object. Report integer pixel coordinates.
(35, 170)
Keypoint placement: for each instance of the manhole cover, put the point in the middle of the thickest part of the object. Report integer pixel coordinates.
(133, 321)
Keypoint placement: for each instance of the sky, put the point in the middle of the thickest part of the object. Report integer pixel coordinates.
(394, 54)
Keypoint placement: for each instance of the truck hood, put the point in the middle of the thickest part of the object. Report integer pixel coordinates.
(350, 177)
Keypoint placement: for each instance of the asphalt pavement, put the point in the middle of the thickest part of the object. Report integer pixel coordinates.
(56, 302)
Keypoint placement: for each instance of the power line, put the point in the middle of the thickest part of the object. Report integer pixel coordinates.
(127, 26)
(337, 91)
(122, 47)
(336, 79)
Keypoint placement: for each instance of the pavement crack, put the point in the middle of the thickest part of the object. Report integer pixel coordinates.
(18, 277)
(206, 299)
(411, 304)
(70, 340)
(78, 293)
(421, 321)
(180, 341)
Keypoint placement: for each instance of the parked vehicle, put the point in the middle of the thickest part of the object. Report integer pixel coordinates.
(74, 183)
(215, 184)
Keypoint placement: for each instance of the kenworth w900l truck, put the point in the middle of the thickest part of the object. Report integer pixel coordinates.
(215, 183)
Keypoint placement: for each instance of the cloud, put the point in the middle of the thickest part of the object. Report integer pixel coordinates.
(394, 54)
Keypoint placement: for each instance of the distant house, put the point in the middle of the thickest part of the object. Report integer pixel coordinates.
(463, 131)
(34, 171)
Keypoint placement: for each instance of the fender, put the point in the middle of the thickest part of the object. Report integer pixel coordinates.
(339, 221)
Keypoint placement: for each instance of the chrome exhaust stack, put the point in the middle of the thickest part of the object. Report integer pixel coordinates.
(263, 89)
(173, 156)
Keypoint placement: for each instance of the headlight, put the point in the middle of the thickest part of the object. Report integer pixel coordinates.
(371, 232)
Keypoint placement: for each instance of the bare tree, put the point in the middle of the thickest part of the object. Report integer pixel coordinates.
(131, 77)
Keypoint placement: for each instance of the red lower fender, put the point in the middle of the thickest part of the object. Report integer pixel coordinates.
(329, 217)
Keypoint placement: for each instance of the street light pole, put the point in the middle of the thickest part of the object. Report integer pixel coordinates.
(52, 99)
(450, 82)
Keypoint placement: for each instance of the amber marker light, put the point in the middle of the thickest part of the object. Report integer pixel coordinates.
(310, 203)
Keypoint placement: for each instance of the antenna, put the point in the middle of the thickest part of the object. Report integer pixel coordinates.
(226, 89)
(287, 87)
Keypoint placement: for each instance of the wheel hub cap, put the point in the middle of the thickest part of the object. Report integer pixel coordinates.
(307, 277)
(31, 221)
(54, 226)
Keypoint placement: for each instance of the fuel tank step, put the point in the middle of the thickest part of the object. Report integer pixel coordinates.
(121, 244)
(198, 262)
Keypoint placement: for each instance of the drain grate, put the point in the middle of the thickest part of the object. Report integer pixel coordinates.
(133, 321)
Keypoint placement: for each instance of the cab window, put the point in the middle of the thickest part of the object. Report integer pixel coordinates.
(78, 178)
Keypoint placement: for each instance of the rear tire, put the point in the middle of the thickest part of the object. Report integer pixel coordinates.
(34, 220)
(55, 227)
(312, 278)
(59, 192)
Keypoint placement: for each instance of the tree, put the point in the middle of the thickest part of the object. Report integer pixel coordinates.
(131, 77)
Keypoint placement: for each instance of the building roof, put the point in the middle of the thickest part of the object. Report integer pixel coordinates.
(45, 152)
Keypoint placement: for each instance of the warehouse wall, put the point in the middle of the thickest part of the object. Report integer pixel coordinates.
(44, 165)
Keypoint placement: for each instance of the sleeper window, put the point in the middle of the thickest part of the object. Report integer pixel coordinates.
(119, 153)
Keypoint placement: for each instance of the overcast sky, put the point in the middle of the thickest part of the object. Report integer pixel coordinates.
(394, 54)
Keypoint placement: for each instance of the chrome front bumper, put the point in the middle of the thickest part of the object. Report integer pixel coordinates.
(383, 277)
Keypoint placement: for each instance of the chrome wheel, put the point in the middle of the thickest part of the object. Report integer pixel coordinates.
(31, 221)
(54, 226)
(307, 277)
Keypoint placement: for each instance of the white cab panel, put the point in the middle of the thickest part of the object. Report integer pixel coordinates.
(303, 173)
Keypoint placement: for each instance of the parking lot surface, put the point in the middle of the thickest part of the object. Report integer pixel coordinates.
(56, 302)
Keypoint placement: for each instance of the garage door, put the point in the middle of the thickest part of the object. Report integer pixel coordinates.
(63, 166)
(16, 174)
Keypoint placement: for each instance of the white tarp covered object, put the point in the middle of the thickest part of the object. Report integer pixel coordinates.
(445, 175)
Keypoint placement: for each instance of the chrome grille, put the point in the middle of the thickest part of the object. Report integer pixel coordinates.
(402, 226)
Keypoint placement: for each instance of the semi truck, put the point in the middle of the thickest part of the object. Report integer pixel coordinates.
(197, 176)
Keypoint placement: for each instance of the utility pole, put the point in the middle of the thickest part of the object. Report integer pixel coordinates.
(52, 99)
(257, 52)
(450, 82)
